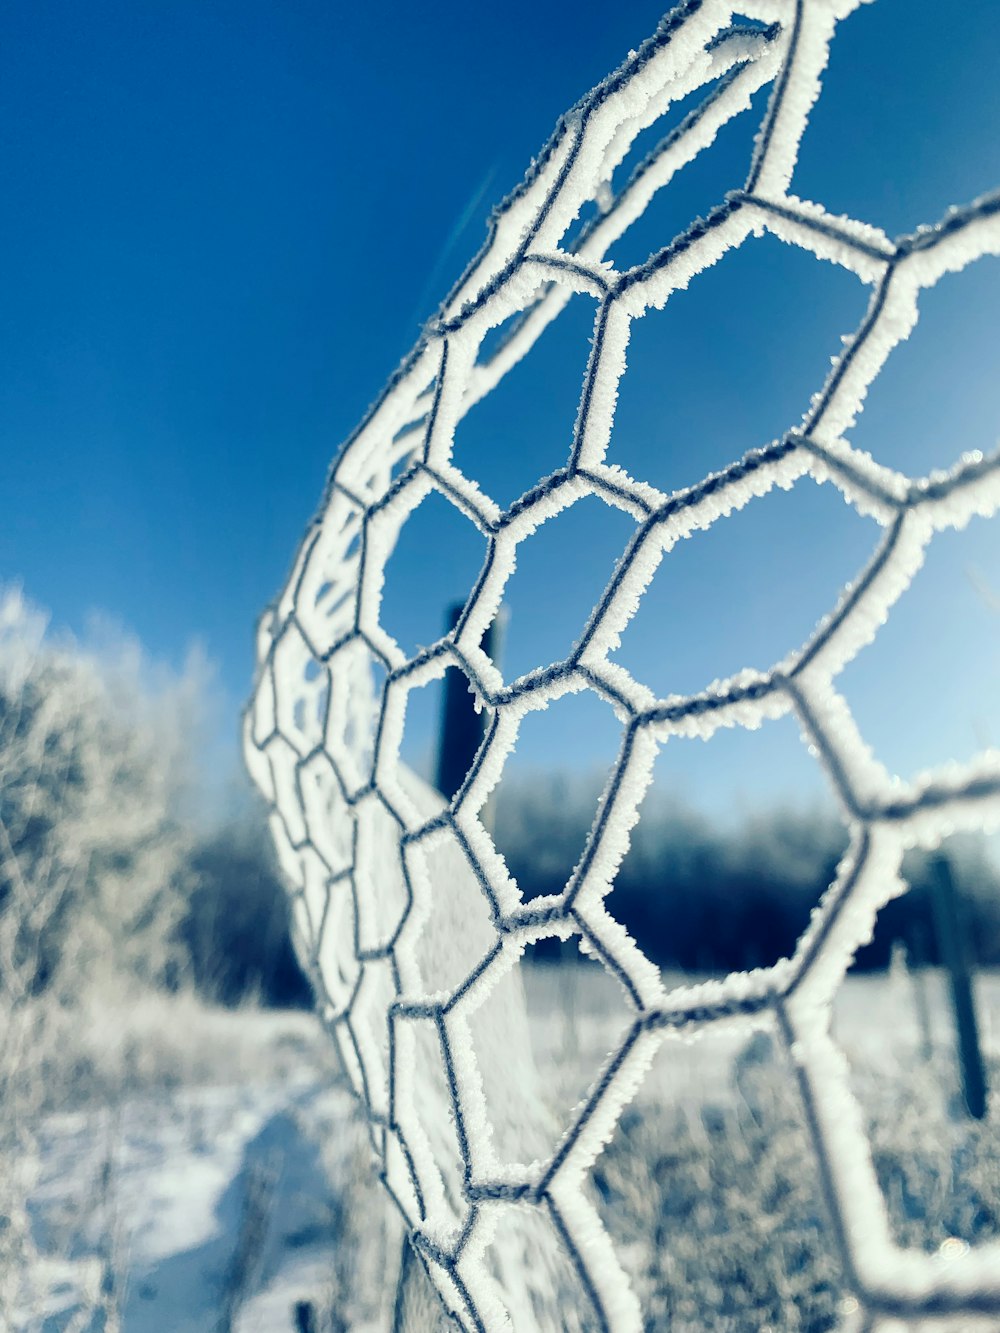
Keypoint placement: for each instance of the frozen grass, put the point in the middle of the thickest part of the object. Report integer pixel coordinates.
(192, 1169)
(717, 1216)
(717, 1212)
(116, 1044)
(200, 1169)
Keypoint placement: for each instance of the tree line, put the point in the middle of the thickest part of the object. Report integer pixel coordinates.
(705, 895)
(107, 874)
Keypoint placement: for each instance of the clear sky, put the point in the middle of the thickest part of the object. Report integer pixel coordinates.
(224, 223)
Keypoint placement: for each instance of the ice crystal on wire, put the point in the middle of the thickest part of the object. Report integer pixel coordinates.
(385, 871)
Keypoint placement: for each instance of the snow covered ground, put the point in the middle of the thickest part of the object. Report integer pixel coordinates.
(215, 1204)
(207, 1206)
(187, 1191)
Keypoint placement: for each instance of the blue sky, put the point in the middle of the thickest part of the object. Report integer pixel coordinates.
(225, 223)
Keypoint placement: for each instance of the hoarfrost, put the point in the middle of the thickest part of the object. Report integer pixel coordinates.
(422, 930)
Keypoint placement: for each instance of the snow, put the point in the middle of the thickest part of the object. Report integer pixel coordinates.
(168, 1175)
(164, 1178)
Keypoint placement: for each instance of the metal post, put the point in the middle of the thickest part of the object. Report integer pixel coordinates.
(305, 1317)
(955, 958)
(462, 728)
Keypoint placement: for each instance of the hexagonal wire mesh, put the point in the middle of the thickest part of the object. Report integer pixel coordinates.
(405, 913)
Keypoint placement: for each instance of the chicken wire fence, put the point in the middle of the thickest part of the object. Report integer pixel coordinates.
(405, 913)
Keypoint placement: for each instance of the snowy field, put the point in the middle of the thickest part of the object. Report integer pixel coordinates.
(218, 1198)
(212, 1198)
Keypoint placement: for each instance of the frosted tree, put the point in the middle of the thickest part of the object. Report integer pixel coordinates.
(93, 861)
(92, 849)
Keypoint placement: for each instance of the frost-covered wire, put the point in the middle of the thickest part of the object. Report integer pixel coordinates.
(405, 913)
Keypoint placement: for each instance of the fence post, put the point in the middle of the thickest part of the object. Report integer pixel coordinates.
(417, 1308)
(305, 1317)
(955, 958)
(462, 728)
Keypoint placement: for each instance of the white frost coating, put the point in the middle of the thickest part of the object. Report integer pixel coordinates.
(614, 683)
(403, 909)
(288, 858)
(841, 240)
(283, 761)
(636, 195)
(619, 605)
(866, 602)
(952, 248)
(874, 491)
(674, 274)
(510, 227)
(637, 498)
(616, 816)
(970, 489)
(593, 429)
(891, 318)
(618, 946)
(723, 704)
(391, 414)
(467, 497)
(966, 798)
(666, 160)
(455, 368)
(799, 86)
(335, 958)
(487, 373)
(257, 765)
(867, 878)
(588, 169)
(859, 1201)
(375, 992)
